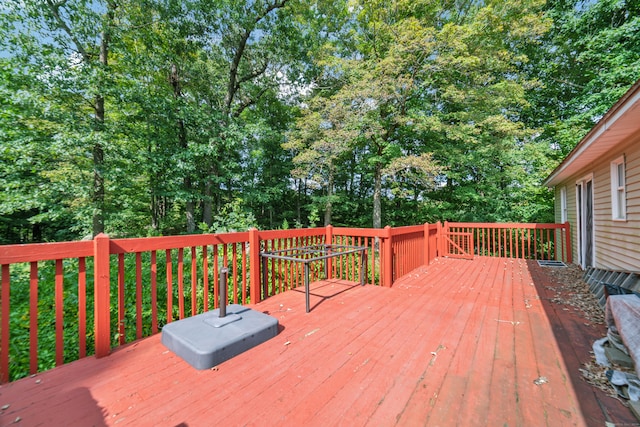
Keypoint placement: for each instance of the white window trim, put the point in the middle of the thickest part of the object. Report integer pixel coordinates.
(618, 192)
(563, 205)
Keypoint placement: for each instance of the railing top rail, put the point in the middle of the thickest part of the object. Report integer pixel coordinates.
(131, 245)
(10, 254)
(504, 225)
(359, 232)
(290, 233)
(397, 231)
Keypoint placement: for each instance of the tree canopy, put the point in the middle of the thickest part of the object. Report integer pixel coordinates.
(164, 116)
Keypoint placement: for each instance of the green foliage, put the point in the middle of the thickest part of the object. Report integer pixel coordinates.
(19, 319)
(585, 63)
(127, 292)
(352, 112)
(232, 217)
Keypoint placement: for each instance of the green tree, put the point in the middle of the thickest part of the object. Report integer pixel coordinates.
(440, 83)
(587, 61)
(62, 49)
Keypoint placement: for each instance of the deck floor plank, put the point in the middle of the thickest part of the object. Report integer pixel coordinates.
(504, 401)
(456, 343)
(475, 410)
(407, 393)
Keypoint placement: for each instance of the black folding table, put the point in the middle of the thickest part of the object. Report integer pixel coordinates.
(309, 254)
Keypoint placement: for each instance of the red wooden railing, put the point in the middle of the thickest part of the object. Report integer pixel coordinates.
(510, 240)
(80, 298)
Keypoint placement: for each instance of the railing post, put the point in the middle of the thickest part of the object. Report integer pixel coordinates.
(426, 244)
(328, 240)
(567, 231)
(254, 266)
(102, 292)
(4, 323)
(445, 231)
(388, 258)
(439, 240)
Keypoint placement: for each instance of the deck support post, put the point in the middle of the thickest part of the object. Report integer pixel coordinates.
(567, 232)
(443, 241)
(102, 295)
(388, 258)
(426, 244)
(254, 266)
(439, 239)
(4, 323)
(328, 262)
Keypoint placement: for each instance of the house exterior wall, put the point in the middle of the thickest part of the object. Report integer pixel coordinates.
(616, 242)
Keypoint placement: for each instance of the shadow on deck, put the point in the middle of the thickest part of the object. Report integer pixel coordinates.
(457, 343)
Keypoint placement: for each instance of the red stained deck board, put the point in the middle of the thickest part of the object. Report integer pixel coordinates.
(378, 372)
(475, 409)
(503, 400)
(461, 397)
(392, 386)
(457, 342)
(408, 392)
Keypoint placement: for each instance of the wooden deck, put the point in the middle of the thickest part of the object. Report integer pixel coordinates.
(457, 343)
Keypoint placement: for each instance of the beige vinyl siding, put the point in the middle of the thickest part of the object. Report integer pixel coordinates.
(618, 241)
(571, 213)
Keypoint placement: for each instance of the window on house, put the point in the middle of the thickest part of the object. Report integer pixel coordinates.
(563, 205)
(618, 192)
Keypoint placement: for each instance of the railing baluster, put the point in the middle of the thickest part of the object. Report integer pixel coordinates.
(511, 251)
(138, 295)
(33, 319)
(216, 269)
(169, 276)
(59, 296)
(121, 304)
(154, 293)
(5, 307)
(194, 281)
(82, 307)
(234, 257)
(279, 281)
(181, 283)
(244, 275)
(205, 278)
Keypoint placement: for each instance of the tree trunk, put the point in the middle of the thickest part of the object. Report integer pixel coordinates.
(299, 200)
(328, 205)
(234, 83)
(207, 205)
(98, 184)
(377, 193)
(98, 149)
(174, 78)
(98, 190)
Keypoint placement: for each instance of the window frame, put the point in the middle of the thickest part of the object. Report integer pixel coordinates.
(563, 205)
(618, 189)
